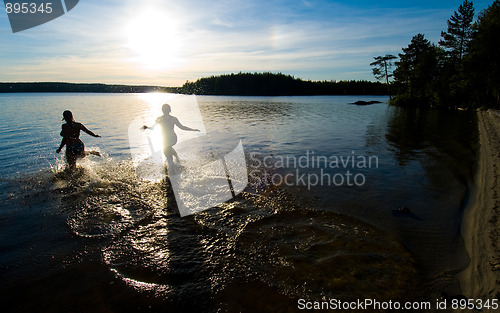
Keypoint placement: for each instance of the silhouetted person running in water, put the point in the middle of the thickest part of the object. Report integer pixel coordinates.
(167, 123)
(71, 139)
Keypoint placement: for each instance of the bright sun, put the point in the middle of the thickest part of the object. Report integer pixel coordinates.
(154, 41)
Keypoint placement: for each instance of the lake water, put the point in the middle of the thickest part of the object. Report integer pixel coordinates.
(310, 224)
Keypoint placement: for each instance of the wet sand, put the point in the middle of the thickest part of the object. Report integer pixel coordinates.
(481, 223)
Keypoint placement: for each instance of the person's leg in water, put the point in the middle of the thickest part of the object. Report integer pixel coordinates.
(75, 152)
(71, 159)
(169, 152)
(174, 153)
(93, 152)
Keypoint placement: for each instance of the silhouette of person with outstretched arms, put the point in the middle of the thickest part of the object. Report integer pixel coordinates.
(75, 148)
(167, 123)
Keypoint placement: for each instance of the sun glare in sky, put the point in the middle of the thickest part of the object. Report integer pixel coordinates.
(153, 40)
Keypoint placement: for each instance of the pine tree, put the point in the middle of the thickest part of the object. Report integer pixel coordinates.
(416, 72)
(382, 69)
(483, 61)
(460, 30)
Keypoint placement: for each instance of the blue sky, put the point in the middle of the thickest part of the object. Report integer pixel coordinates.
(164, 42)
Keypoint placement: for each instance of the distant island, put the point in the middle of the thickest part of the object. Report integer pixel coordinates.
(241, 84)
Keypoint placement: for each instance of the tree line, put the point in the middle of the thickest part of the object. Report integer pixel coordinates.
(462, 70)
(72, 87)
(277, 84)
(244, 84)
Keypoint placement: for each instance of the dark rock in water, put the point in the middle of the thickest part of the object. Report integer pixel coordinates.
(360, 102)
(404, 210)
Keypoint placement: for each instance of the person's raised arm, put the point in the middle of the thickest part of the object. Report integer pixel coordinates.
(88, 131)
(185, 127)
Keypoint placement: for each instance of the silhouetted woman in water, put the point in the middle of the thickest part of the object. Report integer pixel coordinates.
(167, 123)
(71, 139)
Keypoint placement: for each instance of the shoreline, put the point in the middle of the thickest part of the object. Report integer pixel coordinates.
(481, 224)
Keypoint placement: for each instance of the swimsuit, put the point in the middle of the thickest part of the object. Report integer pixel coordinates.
(74, 146)
(77, 148)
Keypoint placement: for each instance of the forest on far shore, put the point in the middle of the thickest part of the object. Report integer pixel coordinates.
(277, 84)
(241, 84)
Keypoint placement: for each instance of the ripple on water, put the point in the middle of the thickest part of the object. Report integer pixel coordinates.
(273, 245)
(315, 254)
(260, 244)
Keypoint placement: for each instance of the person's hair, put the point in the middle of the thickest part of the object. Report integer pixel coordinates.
(166, 108)
(68, 116)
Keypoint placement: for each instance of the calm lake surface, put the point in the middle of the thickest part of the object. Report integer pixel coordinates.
(106, 240)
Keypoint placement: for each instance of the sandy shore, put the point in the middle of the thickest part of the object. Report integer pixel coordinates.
(481, 223)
